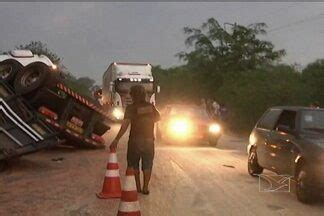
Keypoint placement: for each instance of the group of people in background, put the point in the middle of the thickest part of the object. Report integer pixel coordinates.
(217, 111)
(314, 105)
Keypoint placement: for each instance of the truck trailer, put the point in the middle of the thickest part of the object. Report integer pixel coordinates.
(117, 81)
(77, 119)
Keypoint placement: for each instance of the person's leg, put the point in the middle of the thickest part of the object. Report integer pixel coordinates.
(147, 177)
(138, 180)
(147, 164)
(133, 158)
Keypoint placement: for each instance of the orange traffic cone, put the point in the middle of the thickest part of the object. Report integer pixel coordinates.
(111, 186)
(129, 205)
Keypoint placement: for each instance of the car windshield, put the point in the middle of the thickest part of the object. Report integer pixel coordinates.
(196, 112)
(313, 120)
(124, 87)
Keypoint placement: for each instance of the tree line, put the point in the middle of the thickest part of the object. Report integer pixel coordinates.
(233, 65)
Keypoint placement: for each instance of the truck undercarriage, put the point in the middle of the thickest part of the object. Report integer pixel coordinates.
(21, 130)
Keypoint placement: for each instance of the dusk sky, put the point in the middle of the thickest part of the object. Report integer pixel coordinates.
(89, 36)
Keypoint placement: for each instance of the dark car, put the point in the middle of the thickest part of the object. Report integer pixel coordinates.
(290, 141)
(187, 124)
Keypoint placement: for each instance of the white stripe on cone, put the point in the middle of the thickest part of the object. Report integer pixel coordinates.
(112, 173)
(130, 184)
(129, 206)
(112, 158)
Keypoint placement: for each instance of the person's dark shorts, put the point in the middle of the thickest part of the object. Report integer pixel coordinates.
(140, 150)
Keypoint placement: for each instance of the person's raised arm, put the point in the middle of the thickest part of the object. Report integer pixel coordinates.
(121, 132)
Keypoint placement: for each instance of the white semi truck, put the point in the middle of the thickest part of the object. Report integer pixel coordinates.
(117, 81)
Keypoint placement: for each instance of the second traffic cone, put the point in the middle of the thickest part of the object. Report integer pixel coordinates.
(111, 187)
(129, 205)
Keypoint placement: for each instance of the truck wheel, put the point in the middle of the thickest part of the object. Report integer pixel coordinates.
(8, 69)
(304, 192)
(31, 78)
(254, 168)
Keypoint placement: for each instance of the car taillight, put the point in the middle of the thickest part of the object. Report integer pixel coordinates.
(97, 138)
(47, 112)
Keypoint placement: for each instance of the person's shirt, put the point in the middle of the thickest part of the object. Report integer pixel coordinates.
(142, 116)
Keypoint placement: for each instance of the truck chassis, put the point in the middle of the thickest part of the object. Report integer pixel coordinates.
(21, 130)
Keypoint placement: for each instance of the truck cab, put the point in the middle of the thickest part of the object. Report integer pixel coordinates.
(117, 81)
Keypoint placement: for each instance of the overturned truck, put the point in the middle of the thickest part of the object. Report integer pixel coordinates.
(34, 79)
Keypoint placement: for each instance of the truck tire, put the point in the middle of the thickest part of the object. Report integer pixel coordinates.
(32, 77)
(8, 69)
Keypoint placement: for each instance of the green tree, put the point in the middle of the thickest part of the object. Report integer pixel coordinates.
(313, 76)
(86, 82)
(82, 85)
(249, 95)
(238, 69)
(218, 54)
(237, 49)
(177, 84)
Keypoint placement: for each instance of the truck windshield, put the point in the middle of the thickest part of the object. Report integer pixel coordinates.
(124, 87)
(313, 120)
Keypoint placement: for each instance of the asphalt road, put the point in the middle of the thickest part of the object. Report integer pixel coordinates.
(192, 180)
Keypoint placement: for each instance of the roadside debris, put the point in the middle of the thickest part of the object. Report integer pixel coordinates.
(59, 159)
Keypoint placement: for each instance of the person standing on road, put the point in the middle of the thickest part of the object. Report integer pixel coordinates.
(223, 112)
(203, 104)
(314, 105)
(215, 108)
(209, 107)
(141, 115)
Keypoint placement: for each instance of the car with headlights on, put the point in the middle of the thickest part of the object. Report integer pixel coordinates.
(290, 142)
(188, 124)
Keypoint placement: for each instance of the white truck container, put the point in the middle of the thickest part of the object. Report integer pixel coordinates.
(117, 81)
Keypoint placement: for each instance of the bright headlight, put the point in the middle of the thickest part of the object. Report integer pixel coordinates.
(214, 128)
(54, 67)
(252, 139)
(118, 113)
(179, 126)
